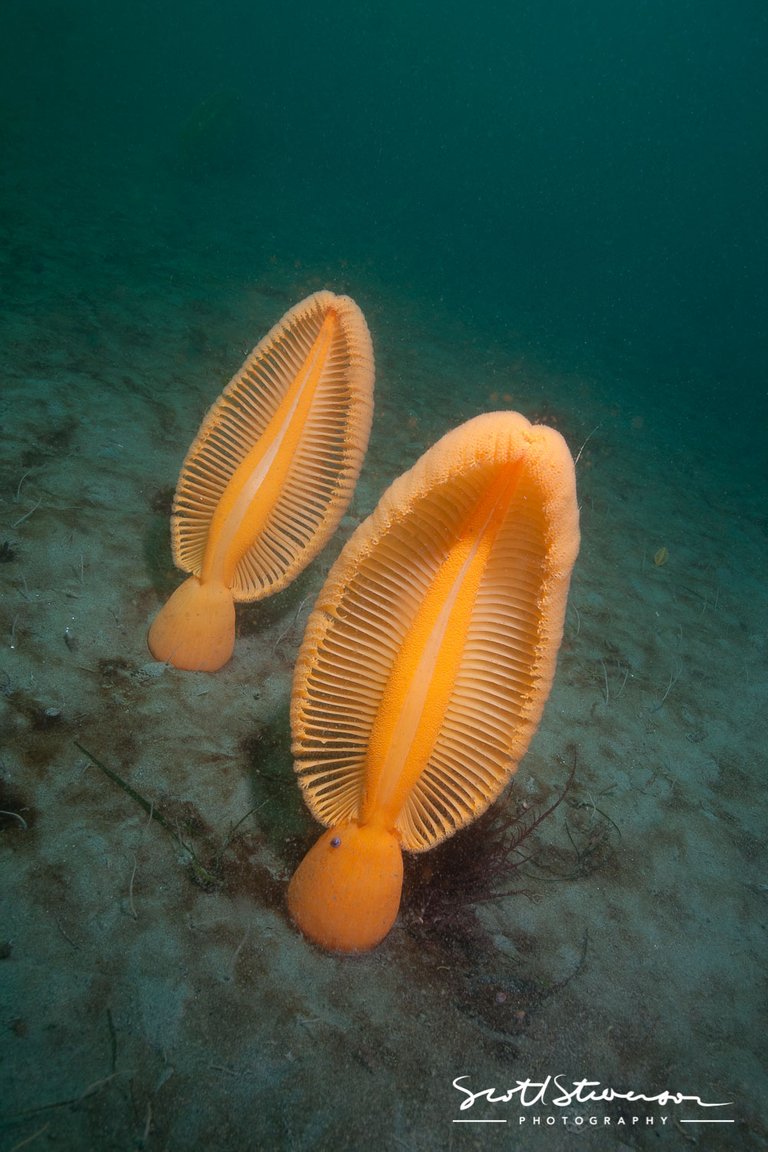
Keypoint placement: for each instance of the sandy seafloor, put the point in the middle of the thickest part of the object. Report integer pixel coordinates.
(156, 996)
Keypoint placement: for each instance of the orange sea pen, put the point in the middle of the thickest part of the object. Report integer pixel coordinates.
(426, 664)
(269, 475)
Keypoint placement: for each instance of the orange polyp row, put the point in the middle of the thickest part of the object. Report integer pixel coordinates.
(426, 664)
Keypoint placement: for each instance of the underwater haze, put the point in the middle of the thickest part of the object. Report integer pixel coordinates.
(558, 207)
(591, 174)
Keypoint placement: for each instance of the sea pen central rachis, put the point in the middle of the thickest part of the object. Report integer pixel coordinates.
(427, 662)
(269, 475)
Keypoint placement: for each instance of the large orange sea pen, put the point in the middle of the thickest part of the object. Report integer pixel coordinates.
(427, 662)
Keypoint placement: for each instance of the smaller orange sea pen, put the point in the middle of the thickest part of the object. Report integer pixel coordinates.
(426, 664)
(269, 475)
